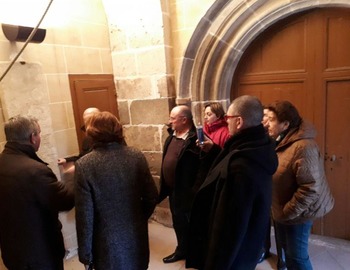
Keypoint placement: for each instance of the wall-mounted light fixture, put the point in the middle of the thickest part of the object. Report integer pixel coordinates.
(21, 33)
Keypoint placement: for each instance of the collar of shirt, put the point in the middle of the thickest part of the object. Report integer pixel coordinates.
(183, 137)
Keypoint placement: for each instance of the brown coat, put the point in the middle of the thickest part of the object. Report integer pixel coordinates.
(300, 188)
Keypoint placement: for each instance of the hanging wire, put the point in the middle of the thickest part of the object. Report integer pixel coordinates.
(27, 41)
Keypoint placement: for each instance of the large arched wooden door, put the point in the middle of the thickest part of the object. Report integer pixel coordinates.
(306, 59)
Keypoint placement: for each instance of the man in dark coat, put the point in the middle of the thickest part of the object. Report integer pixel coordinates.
(30, 199)
(231, 210)
(183, 171)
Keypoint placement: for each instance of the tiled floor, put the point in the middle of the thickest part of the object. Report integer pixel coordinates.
(326, 253)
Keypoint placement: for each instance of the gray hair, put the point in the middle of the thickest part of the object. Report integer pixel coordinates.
(249, 108)
(20, 128)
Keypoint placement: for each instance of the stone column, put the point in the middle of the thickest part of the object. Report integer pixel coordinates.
(143, 70)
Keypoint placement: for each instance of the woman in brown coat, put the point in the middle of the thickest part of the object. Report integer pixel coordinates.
(300, 191)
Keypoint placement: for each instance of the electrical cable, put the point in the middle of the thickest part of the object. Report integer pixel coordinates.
(27, 41)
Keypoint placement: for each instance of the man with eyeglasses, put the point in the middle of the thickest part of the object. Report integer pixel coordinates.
(184, 168)
(231, 210)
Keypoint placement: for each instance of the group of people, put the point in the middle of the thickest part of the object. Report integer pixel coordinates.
(250, 169)
(220, 191)
(113, 193)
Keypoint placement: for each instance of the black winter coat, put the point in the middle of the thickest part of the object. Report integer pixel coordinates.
(231, 210)
(30, 199)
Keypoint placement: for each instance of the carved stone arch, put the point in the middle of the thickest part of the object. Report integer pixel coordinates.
(221, 37)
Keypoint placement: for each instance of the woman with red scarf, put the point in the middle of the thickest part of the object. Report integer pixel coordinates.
(215, 125)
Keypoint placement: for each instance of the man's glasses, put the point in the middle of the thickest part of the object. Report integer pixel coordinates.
(226, 117)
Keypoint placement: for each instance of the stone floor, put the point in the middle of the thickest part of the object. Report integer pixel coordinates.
(326, 253)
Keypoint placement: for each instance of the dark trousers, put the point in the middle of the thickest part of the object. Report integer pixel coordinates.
(180, 224)
(58, 265)
(267, 243)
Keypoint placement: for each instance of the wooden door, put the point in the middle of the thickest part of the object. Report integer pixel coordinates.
(337, 153)
(91, 91)
(306, 59)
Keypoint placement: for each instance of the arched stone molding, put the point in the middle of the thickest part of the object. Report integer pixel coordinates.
(222, 36)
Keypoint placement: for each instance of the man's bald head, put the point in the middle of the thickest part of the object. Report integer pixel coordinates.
(88, 112)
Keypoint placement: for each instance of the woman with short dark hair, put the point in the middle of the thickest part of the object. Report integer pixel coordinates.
(300, 191)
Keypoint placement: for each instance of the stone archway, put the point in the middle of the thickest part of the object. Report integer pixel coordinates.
(222, 36)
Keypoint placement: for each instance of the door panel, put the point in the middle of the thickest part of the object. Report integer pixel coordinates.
(338, 52)
(270, 54)
(293, 91)
(337, 153)
(306, 59)
(91, 91)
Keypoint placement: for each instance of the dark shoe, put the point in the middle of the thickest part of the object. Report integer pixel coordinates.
(281, 264)
(173, 258)
(264, 256)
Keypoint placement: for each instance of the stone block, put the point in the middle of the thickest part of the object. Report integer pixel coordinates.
(162, 214)
(166, 86)
(164, 135)
(134, 88)
(58, 112)
(151, 62)
(123, 110)
(154, 161)
(95, 35)
(152, 111)
(118, 39)
(58, 86)
(124, 64)
(83, 60)
(144, 138)
(143, 38)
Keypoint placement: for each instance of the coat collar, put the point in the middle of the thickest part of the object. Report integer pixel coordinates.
(24, 149)
(245, 137)
(305, 131)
